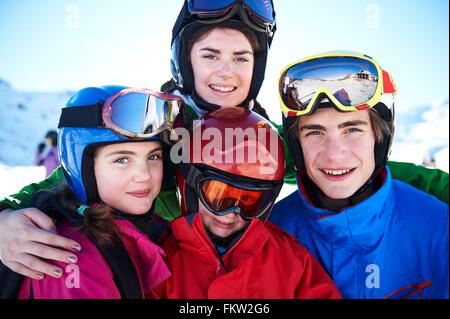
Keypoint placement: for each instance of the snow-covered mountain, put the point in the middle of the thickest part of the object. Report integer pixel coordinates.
(25, 118)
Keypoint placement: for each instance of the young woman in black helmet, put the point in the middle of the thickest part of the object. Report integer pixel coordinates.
(198, 21)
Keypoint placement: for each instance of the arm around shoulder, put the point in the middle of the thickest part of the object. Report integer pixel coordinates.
(23, 198)
(431, 181)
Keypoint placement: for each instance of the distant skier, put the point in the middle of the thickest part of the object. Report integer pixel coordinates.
(47, 153)
(38, 160)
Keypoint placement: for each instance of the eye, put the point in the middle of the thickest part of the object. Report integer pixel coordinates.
(242, 59)
(154, 157)
(354, 130)
(247, 199)
(121, 160)
(210, 57)
(313, 133)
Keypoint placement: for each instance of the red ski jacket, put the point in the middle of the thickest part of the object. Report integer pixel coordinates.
(266, 263)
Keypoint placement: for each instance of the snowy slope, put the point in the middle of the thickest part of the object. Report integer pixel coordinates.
(422, 135)
(25, 118)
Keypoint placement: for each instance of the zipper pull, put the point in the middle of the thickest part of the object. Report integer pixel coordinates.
(423, 285)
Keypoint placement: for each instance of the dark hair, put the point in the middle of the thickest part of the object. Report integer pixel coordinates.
(53, 136)
(40, 148)
(204, 31)
(97, 222)
(380, 127)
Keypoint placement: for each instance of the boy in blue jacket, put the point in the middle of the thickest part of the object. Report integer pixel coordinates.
(377, 237)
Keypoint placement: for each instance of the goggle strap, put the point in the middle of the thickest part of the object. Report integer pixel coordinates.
(190, 173)
(81, 116)
(244, 13)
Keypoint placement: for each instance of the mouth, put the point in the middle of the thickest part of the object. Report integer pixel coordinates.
(222, 89)
(140, 194)
(223, 224)
(337, 174)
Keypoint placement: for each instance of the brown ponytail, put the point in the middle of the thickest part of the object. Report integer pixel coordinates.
(260, 110)
(97, 222)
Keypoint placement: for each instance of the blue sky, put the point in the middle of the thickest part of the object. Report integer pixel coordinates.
(50, 45)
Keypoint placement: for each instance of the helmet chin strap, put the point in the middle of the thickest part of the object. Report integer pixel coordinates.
(321, 200)
(201, 103)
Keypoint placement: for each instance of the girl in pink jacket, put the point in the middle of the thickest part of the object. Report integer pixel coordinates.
(112, 156)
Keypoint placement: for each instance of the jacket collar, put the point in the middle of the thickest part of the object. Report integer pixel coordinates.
(152, 267)
(361, 225)
(193, 237)
(190, 102)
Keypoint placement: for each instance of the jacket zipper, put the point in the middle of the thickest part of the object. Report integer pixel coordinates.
(217, 254)
(221, 264)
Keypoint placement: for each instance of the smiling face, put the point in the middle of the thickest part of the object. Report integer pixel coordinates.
(222, 63)
(338, 149)
(221, 226)
(129, 175)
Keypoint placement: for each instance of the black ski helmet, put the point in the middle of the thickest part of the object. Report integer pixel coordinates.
(238, 16)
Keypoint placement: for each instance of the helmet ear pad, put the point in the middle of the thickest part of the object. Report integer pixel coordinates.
(168, 181)
(88, 173)
(291, 133)
(180, 65)
(175, 73)
(383, 148)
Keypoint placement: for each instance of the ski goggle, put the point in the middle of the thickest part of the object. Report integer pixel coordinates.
(259, 12)
(350, 82)
(133, 113)
(222, 195)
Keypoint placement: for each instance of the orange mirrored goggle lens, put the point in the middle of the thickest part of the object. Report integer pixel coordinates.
(221, 196)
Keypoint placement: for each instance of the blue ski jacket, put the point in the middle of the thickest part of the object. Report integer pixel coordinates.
(392, 245)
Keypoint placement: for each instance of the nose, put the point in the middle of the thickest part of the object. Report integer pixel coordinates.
(142, 173)
(335, 149)
(224, 69)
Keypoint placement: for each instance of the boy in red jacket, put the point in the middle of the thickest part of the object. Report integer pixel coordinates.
(223, 247)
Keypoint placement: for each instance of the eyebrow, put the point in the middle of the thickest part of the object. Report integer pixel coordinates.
(312, 127)
(120, 153)
(123, 152)
(353, 123)
(340, 126)
(242, 52)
